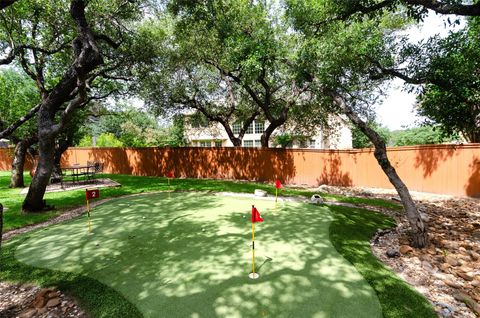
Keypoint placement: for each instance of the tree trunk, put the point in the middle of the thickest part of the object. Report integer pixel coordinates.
(267, 133)
(419, 232)
(34, 200)
(60, 148)
(274, 124)
(16, 180)
(87, 58)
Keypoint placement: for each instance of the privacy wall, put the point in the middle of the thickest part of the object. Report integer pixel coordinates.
(446, 169)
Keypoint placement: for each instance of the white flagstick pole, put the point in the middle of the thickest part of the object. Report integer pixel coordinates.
(253, 248)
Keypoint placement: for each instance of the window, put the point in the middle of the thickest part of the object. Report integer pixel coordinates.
(249, 129)
(259, 127)
(258, 143)
(248, 143)
(218, 143)
(205, 143)
(236, 128)
(311, 143)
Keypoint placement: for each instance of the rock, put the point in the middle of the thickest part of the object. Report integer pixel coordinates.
(474, 255)
(428, 267)
(54, 294)
(424, 217)
(39, 301)
(432, 251)
(41, 311)
(468, 277)
(53, 302)
(405, 249)
(44, 291)
(476, 282)
(316, 199)
(472, 304)
(393, 252)
(451, 260)
(445, 309)
(440, 276)
(323, 187)
(28, 313)
(451, 283)
(260, 193)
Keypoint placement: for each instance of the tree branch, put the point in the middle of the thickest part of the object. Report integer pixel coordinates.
(10, 129)
(448, 8)
(6, 3)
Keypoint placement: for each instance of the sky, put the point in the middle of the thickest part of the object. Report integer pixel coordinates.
(397, 109)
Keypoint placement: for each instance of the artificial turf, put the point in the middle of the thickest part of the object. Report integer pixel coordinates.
(188, 255)
(350, 231)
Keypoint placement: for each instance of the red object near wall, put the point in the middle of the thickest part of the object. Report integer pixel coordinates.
(92, 194)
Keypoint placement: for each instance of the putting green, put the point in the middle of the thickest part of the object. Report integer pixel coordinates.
(188, 255)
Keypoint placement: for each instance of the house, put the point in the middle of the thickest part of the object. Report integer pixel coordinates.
(4, 143)
(206, 134)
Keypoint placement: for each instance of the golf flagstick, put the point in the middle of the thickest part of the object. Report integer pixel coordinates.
(253, 248)
(90, 194)
(278, 185)
(255, 218)
(88, 217)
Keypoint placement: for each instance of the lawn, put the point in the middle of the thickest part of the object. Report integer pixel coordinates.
(187, 254)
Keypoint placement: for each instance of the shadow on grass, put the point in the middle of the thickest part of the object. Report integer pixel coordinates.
(350, 233)
(187, 255)
(99, 299)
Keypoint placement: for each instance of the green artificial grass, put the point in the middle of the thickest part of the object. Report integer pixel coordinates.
(97, 299)
(350, 233)
(188, 255)
(12, 199)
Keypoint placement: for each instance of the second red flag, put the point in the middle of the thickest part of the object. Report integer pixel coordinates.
(256, 215)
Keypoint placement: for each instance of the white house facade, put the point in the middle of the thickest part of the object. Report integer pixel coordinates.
(214, 135)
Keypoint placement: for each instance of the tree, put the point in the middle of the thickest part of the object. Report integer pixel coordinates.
(232, 61)
(420, 136)
(337, 60)
(444, 71)
(132, 127)
(347, 9)
(63, 77)
(17, 95)
(450, 97)
(360, 140)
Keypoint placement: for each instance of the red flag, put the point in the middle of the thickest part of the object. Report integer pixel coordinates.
(92, 194)
(170, 174)
(278, 184)
(256, 215)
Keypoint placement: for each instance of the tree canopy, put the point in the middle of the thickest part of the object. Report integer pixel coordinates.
(232, 61)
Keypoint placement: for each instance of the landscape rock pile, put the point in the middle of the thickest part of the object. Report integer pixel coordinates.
(447, 272)
(26, 301)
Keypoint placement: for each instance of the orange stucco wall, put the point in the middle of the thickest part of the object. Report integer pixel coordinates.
(446, 169)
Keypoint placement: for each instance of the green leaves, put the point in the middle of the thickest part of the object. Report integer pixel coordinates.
(18, 95)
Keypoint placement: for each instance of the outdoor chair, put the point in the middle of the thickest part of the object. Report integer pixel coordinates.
(94, 169)
(57, 177)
